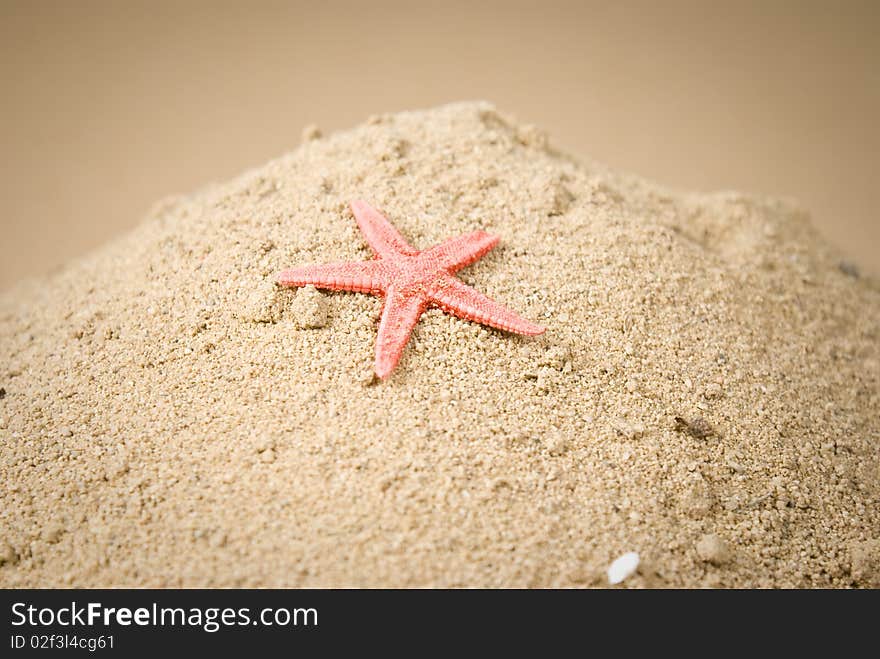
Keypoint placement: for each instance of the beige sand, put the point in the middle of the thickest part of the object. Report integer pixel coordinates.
(706, 393)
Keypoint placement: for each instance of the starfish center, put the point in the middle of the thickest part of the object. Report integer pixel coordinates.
(410, 281)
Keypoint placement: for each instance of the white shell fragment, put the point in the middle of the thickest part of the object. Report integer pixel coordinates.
(622, 567)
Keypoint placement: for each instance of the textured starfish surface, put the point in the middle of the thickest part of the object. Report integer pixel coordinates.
(411, 281)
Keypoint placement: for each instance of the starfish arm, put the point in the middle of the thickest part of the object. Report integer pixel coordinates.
(454, 296)
(458, 252)
(362, 277)
(399, 316)
(379, 232)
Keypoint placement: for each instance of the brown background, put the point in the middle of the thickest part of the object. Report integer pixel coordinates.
(108, 106)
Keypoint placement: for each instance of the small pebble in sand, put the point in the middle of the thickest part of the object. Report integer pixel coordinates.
(2, 393)
(115, 468)
(66, 432)
(264, 304)
(218, 539)
(309, 308)
(556, 444)
(698, 501)
(850, 269)
(311, 132)
(533, 136)
(699, 428)
(713, 549)
(268, 456)
(7, 553)
(713, 390)
(628, 429)
(622, 567)
(52, 533)
(500, 483)
(556, 357)
(263, 442)
(544, 381)
(865, 565)
(561, 200)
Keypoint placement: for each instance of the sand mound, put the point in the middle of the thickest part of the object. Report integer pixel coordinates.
(706, 394)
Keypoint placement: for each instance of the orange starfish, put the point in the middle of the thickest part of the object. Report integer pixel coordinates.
(411, 280)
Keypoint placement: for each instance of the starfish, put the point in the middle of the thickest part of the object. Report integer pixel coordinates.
(411, 280)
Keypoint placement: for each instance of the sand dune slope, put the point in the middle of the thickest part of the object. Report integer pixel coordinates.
(706, 393)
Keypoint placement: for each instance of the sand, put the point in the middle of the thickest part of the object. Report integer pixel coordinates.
(706, 394)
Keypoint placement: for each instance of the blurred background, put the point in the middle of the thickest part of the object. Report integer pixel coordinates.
(110, 105)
